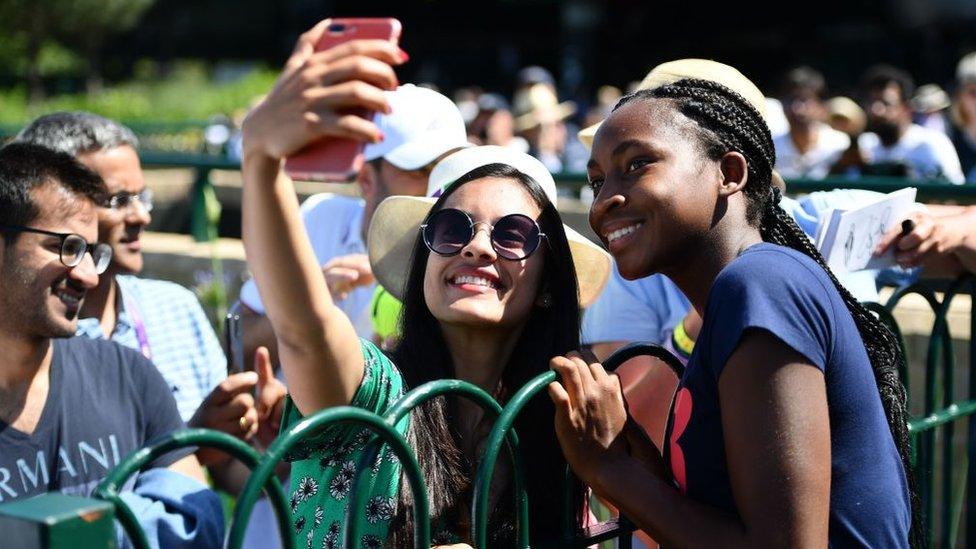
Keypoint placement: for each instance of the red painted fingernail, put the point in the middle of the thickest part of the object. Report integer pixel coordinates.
(380, 137)
(404, 57)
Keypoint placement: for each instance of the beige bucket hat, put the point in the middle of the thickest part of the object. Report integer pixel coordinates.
(537, 105)
(396, 222)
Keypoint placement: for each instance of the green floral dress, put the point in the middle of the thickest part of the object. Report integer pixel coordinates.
(324, 466)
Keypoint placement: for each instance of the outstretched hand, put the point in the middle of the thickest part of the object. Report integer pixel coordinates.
(316, 91)
(590, 415)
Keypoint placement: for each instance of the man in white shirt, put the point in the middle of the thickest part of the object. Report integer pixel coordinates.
(424, 127)
(810, 147)
(894, 145)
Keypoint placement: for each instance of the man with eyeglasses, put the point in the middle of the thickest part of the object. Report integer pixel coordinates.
(160, 319)
(70, 407)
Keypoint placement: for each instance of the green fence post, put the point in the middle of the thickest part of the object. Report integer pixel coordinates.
(486, 469)
(948, 390)
(971, 443)
(108, 490)
(925, 445)
(941, 411)
(205, 208)
(57, 521)
(951, 502)
(311, 426)
(404, 406)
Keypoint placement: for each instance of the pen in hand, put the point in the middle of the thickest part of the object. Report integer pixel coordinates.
(907, 226)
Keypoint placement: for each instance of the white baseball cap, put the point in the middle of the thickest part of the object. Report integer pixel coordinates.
(457, 164)
(423, 126)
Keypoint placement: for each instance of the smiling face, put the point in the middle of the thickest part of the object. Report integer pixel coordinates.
(121, 228)
(40, 296)
(651, 179)
(476, 287)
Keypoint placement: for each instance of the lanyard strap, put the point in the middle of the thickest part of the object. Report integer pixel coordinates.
(140, 327)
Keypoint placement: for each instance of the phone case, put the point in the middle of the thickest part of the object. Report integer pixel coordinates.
(332, 158)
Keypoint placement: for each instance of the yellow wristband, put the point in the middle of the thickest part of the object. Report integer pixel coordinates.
(682, 341)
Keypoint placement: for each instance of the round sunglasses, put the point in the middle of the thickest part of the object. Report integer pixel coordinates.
(513, 237)
(73, 247)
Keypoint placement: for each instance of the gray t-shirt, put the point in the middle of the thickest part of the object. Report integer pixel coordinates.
(104, 402)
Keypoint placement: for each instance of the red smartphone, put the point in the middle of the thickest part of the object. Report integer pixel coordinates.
(333, 158)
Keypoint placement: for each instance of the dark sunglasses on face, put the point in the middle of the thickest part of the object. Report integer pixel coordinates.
(73, 247)
(513, 237)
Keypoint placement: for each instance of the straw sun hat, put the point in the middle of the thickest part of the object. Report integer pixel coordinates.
(537, 105)
(396, 222)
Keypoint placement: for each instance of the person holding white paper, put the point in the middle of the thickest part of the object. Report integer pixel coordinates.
(941, 240)
(848, 237)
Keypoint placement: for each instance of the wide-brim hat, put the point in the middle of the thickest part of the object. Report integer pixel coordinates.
(701, 69)
(847, 108)
(537, 105)
(395, 224)
(930, 98)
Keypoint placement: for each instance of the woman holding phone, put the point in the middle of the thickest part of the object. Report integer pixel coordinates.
(491, 283)
(789, 425)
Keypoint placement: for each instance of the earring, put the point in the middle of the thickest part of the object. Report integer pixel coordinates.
(545, 301)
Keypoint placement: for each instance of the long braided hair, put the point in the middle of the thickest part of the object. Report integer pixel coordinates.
(727, 122)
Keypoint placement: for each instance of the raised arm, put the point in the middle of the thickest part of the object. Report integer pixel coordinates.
(317, 344)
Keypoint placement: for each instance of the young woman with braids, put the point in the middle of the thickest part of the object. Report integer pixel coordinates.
(789, 424)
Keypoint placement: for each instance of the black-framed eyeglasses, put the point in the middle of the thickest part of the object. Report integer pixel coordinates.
(513, 237)
(123, 200)
(73, 247)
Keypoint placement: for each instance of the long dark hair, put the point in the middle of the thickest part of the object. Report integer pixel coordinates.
(422, 356)
(727, 122)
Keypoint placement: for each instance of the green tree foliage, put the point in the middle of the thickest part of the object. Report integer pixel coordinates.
(86, 24)
(188, 93)
(78, 24)
(27, 24)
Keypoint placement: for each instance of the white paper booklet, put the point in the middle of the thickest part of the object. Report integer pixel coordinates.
(847, 238)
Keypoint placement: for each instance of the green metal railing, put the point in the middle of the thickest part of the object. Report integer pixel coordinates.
(108, 490)
(929, 190)
(202, 224)
(384, 427)
(940, 416)
(936, 477)
(262, 476)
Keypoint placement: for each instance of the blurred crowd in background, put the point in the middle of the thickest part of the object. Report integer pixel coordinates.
(882, 125)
